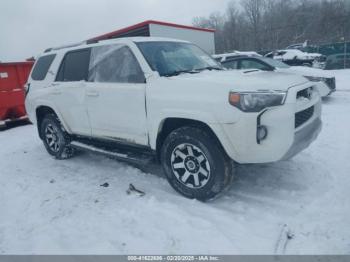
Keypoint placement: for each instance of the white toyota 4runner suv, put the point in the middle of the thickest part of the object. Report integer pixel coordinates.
(140, 99)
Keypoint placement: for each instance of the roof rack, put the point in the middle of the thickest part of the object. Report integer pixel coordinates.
(91, 41)
(64, 46)
(87, 42)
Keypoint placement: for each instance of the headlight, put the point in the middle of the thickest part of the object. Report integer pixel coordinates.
(315, 78)
(256, 101)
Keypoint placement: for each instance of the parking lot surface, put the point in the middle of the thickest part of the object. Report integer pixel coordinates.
(300, 206)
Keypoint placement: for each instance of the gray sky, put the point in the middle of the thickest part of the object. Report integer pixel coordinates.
(28, 27)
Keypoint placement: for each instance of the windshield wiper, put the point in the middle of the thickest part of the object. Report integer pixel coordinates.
(176, 73)
(210, 68)
(251, 71)
(192, 71)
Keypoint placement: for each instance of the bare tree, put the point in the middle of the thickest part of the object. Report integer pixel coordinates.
(273, 24)
(214, 21)
(254, 10)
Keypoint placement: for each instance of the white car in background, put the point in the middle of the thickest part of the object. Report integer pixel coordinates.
(294, 57)
(227, 56)
(325, 80)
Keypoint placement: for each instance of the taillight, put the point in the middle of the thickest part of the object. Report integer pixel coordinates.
(27, 88)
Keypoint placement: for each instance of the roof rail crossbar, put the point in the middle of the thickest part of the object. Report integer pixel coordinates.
(92, 41)
(64, 46)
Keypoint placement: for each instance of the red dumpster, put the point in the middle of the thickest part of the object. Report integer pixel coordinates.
(13, 77)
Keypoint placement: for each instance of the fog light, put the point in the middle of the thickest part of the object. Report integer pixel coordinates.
(261, 133)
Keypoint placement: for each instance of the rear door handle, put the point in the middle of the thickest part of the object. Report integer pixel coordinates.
(92, 93)
(55, 88)
(56, 91)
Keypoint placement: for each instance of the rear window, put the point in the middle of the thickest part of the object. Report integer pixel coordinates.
(42, 67)
(75, 66)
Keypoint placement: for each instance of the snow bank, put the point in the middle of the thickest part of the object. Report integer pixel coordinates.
(58, 207)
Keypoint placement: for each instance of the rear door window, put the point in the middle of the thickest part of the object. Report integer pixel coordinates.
(42, 67)
(75, 66)
(253, 64)
(114, 64)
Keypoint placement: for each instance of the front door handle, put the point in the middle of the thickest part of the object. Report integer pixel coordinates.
(92, 93)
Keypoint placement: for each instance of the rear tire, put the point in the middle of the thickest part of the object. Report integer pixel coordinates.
(195, 164)
(56, 140)
(2, 125)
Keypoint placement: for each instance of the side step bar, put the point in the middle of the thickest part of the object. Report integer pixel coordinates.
(122, 155)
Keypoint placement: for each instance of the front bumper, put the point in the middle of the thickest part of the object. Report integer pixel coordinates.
(331, 83)
(303, 138)
(326, 87)
(289, 132)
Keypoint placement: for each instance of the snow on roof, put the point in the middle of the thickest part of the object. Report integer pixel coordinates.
(291, 53)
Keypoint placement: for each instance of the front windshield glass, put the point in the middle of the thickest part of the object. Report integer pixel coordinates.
(174, 58)
(274, 62)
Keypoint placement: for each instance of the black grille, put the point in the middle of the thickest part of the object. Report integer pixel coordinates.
(303, 116)
(331, 83)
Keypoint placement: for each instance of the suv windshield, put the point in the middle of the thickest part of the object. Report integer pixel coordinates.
(174, 58)
(274, 62)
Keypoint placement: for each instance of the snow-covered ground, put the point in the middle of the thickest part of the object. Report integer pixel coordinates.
(59, 207)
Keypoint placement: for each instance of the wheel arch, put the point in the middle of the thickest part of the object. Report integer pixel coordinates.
(170, 124)
(40, 113)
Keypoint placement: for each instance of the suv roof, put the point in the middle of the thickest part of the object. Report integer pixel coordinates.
(88, 43)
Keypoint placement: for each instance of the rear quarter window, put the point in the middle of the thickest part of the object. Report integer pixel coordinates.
(42, 67)
(231, 64)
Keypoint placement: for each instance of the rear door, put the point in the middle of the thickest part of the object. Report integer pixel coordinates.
(69, 90)
(115, 95)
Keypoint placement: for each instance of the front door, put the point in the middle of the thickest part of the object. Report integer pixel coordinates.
(115, 95)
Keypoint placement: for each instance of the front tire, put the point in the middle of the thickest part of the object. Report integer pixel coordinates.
(55, 138)
(195, 164)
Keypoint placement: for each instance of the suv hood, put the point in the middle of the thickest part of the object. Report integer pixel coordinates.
(246, 80)
(305, 71)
